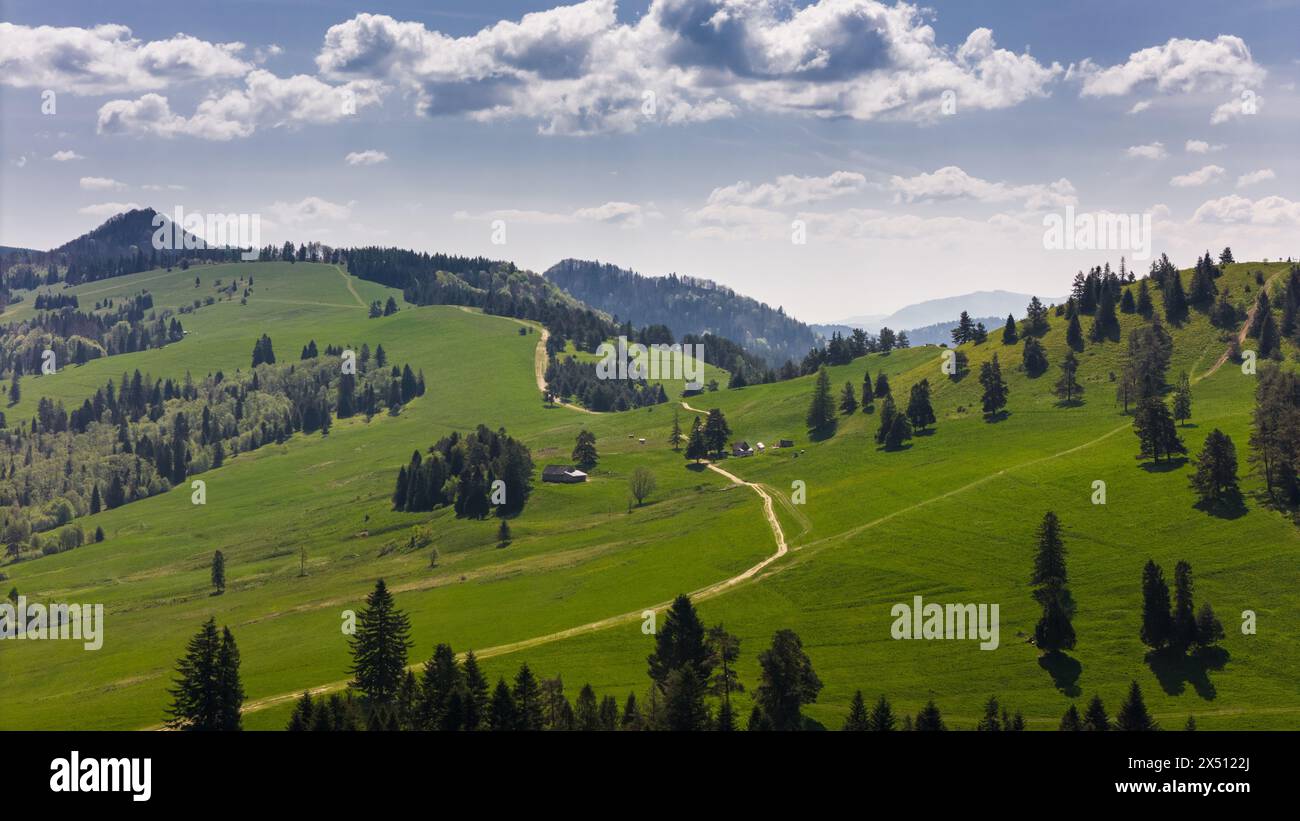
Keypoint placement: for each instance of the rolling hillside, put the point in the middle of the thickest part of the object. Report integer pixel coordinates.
(951, 517)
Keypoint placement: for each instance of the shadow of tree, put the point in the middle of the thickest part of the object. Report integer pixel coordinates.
(1231, 506)
(1166, 466)
(997, 417)
(1064, 670)
(823, 433)
(1174, 668)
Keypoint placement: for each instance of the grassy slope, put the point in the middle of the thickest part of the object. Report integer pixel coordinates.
(951, 518)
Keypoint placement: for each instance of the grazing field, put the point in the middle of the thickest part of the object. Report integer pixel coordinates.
(951, 517)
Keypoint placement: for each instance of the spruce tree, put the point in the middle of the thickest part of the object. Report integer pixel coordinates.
(857, 721)
(218, 573)
(696, 447)
(502, 715)
(1133, 715)
(1070, 722)
(1068, 387)
(882, 716)
(1074, 334)
(1034, 357)
(676, 438)
(527, 697)
(1183, 399)
(929, 719)
(476, 694)
(821, 411)
(1157, 628)
(379, 647)
(848, 400)
(1095, 718)
(1215, 478)
(787, 681)
(920, 413)
(1183, 618)
(716, 431)
(584, 450)
(680, 642)
(1144, 305)
(207, 694)
(995, 390)
(1009, 333)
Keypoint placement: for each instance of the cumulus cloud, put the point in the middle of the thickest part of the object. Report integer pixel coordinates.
(1238, 210)
(1255, 177)
(789, 190)
(624, 214)
(66, 155)
(265, 101)
(951, 183)
(1140, 106)
(1150, 151)
(1243, 106)
(368, 157)
(1180, 65)
(1201, 176)
(577, 70)
(101, 184)
(309, 209)
(108, 209)
(1200, 147)
(107, 59)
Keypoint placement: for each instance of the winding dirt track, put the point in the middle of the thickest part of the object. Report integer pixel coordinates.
(1241, 335)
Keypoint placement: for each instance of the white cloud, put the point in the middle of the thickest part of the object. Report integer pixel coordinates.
(789, 190)
(101, 184)
(108, 209)
(1150, 151)
(624, 214)
(1255, 176)
(309, 209)
(1140, 106)
(170, 187)
(1180, 65)
(1207, 174)
(1245, 105)
(107, 59)
(367, 157)
(66, 156)
(1234, 209)
(577, 70)
(265, 101)
(951, 182)
(1200, 147)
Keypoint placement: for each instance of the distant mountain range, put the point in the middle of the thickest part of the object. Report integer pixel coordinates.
(989, 307)
(686, 305)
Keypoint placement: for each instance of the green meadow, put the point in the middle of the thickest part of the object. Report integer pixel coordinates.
(951, 517)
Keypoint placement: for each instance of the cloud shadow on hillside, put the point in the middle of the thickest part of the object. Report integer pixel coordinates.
(1174, 669)
(1064, 670)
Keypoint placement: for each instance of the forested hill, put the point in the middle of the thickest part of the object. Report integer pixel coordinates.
(687, 305)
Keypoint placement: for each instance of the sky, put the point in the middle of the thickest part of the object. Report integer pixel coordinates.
(835, 157)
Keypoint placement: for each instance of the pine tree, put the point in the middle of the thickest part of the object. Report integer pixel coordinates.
(1154, 426)
(476, 703)
(379, 647)
(1068, 387)
(1070, 722)
(716, 431)
(1133, 715)
(787, 681)
(989, 722)
(502, 715)
(207, 694)
(868, 393)
(995, 390)
(1144, 305)
(1034, 357)
(929, 719)
(1175, 299)
(631, 719)
(1009, 333)
(1095, 718)
(680, 642)
(848, 400)
(586, 710)
(882, 386)
(218, 573)
(900, 431)
(1049, 562)
(696, 447)
(584, 450)
(676, 438)
(684, 706)
(821, 411)
(857, 721)
(1157, 628)
(1209, 630)
(882, 716)
(1074, 334)
(527, 696)
(1183, 618)
(887, 414)
(920, 413)
(1215, 478)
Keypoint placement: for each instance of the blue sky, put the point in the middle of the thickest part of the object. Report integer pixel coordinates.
(916, 150)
